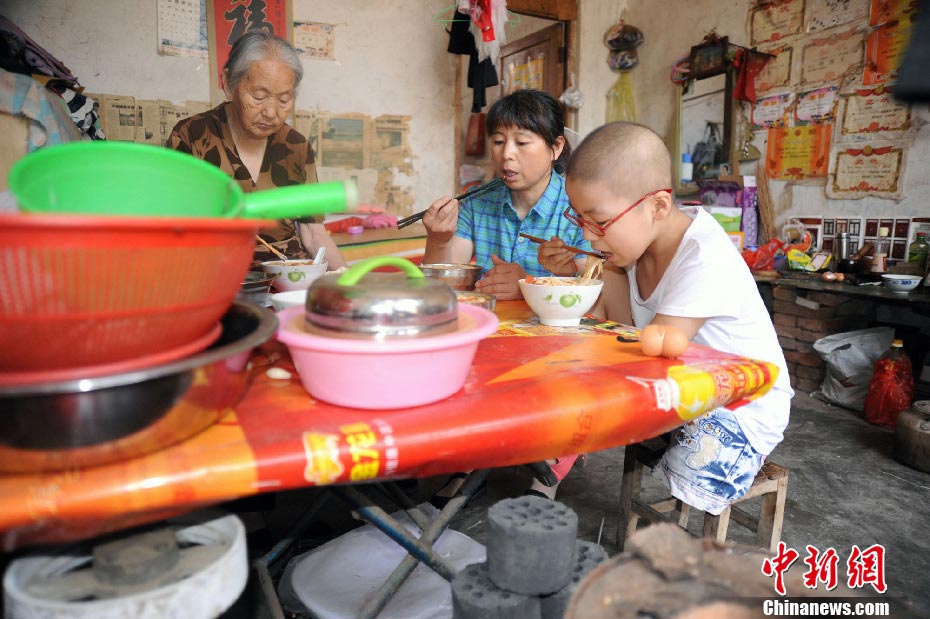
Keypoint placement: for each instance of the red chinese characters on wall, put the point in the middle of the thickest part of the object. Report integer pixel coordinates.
(233, 18)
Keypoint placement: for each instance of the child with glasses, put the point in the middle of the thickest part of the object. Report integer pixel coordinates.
(527, 142)
(676, 266)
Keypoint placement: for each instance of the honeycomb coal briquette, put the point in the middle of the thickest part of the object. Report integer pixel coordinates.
(531, 545)
(588, 556)
(474, 596)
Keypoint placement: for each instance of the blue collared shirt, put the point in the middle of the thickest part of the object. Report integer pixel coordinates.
(492, 225)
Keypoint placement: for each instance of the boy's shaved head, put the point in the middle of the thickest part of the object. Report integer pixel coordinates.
(632, 160)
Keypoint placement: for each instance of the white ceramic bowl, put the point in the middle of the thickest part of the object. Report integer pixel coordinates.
(900, 284)
(291, 298)
(293, 274)
(562, 305)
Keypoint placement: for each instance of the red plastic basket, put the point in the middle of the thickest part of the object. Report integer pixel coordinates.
(87, 290)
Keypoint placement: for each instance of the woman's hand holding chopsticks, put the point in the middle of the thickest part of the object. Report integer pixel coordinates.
(441, 218)
(492, 184)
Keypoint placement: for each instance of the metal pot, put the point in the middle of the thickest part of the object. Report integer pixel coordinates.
(459, 276)
(98, 420)
(256, 288)
(380, 305)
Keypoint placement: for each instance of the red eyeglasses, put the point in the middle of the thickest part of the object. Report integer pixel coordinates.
(600, 230)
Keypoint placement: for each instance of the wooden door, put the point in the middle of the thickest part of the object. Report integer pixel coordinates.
(535, 61)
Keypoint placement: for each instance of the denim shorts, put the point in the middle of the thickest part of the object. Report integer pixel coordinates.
(709, 462)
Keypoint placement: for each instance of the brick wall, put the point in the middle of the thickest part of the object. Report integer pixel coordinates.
(802, 317)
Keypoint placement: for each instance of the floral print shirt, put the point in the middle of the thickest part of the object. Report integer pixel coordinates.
(288, 161)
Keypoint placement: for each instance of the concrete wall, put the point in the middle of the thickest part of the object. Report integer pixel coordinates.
(391, 59)
(390, 56)
(670, 29)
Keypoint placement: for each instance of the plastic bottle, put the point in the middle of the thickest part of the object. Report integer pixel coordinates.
(882, 248)
(891, 387)
(687, 168)
(918, 251)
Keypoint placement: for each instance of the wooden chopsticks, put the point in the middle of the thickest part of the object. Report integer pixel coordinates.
(577, 250)
(492, 184)
(270, 248)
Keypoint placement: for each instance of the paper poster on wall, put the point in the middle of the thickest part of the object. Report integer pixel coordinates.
(305, 123)
(343, 141)
(227, 20)
(528, 74)
(148, 122)
(884, 48)
(798, 153)
(182, 28)
(118, 117)
(884, 11)
(828, 57)
(772, 111)
(873, 169)
(776, 74)
(872, 110)
(315, 39)
(390, 149)
(773, 21)
(816, 106)
(825, 14)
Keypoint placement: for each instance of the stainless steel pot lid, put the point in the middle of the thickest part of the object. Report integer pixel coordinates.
(381, 305)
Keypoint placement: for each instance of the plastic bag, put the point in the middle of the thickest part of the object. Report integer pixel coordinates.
(762, 259)
(891, 387)
(799, 261)
(708, 154)
(622, 36)
(849, 357)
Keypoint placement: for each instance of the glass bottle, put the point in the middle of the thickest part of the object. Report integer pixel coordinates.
(918, 252)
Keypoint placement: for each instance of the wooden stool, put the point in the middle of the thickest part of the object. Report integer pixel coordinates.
(771, 483)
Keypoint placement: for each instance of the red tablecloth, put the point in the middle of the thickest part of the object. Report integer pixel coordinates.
(533, 393)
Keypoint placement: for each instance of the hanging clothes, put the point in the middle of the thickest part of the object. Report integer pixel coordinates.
(83, 109)
(481, 73)
(488, 27)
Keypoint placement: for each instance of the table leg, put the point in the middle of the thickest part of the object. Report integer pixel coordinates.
(429, 536)
(419, 548)
(406, 503)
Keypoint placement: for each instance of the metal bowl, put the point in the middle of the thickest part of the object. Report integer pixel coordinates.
(481, 299)
(380, 305)
(459, 276)
(256, 288)
(98, 420)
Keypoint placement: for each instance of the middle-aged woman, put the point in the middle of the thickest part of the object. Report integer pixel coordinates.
(528, 150)
(247, 137)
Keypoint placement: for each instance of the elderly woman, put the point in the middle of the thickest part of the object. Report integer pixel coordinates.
(247, 138)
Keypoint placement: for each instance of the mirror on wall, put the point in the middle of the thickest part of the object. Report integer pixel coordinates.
(704, 130)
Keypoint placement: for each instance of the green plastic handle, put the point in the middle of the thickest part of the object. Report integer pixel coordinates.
(355, 272)
(297, 201)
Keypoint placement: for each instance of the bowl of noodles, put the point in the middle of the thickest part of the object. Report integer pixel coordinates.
(560, 301)
(563, 301)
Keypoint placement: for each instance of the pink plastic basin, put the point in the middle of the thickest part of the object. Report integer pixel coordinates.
(385, 374)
